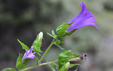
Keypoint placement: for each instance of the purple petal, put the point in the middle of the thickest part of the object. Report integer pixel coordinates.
(30, 51)
(84, 18)
(83, 11)
(31, 56)
(28, 54)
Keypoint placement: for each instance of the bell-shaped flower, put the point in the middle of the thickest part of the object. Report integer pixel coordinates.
(28, 54)
(84, 18)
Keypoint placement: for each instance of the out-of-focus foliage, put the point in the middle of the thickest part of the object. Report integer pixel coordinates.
(23, 19)
(8, 69)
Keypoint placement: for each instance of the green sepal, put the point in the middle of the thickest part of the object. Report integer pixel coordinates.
(19, 64)
(50, 35)
(69, 33)
(65, 56)
(59, 41)
(38, 43)
(53, 34)
(61, 30)
(9, 69)
(23, 45)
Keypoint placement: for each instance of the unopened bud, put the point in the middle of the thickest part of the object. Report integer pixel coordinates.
(83, 56)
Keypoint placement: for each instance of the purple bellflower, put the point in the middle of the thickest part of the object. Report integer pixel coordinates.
(28, 54)
(84, 18)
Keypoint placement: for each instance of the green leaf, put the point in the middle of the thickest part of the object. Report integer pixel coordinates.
(53, 66)
(38, 43)
(19, 64)
(50, 35)
(65, 67)
(23, 45)
(9, 69)
(65, 56)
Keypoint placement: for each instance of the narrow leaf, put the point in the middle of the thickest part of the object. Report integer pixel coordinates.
(72, 65)
(52, 67)
(23, 45)
(50, 35)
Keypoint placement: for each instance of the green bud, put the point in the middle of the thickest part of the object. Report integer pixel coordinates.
(38, 43)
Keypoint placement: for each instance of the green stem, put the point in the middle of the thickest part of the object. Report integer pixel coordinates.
(37, 65)
(47, 50)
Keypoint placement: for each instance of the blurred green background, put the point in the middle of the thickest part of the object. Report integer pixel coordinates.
(24, 19)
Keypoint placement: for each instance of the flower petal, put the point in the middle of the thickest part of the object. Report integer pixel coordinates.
(31, 56)
(30, 51)
(28, 54)
(84, 18)
(83, 11)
